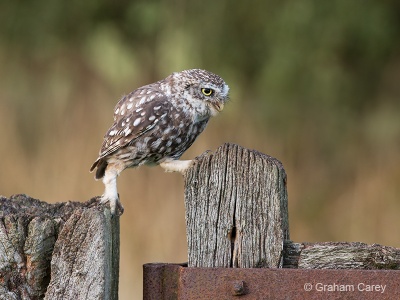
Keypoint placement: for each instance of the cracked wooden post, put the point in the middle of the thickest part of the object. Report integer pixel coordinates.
(57, 251)
(236, 209)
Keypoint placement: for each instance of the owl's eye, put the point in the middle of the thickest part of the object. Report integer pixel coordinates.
(207, 92)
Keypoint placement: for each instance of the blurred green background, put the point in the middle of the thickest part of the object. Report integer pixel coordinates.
(315, 84)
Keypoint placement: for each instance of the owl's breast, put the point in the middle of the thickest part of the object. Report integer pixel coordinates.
(167, 140)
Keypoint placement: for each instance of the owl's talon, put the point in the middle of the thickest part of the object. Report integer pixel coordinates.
(116, 207)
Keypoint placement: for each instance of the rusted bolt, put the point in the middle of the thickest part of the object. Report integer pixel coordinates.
(238, 288)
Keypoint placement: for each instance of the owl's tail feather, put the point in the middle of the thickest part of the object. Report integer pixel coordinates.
(101, 168)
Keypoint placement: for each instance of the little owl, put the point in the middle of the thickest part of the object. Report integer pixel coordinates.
(155, 124)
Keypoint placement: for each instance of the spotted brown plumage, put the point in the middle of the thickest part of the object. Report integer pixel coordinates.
(156, 124)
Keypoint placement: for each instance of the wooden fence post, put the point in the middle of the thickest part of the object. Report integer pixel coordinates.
(236, 209)
(57, 251)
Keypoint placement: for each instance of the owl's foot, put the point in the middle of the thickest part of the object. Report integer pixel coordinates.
(111, 194)
(180, 166)
(116, 207)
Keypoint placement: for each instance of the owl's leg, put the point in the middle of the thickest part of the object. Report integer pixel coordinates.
(111, 194)
(180, 166)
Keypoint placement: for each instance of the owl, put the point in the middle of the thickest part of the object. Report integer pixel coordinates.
(155, 124)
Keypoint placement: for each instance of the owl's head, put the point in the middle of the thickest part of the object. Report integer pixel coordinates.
(202, 88)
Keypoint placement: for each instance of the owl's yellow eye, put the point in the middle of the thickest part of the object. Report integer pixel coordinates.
(207, 92)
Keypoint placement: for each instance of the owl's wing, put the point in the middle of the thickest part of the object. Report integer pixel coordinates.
(132, 119)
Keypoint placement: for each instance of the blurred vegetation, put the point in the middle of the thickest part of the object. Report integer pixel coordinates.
(315, 84)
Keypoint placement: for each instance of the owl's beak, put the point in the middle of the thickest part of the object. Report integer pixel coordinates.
(215, 107)
(218, 106)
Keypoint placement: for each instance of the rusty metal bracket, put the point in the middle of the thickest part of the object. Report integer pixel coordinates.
(174, 281)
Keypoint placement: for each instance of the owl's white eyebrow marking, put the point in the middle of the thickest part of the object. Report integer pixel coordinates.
(137, 121)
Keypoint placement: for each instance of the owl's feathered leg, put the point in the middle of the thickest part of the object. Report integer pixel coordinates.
(180, 166)
(111, 194)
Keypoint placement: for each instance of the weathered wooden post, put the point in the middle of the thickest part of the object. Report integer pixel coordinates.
(238, 241)
(236, 209)
(57, 251)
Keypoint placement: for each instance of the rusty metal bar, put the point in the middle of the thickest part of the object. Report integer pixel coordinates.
(173, 281)
(160, 281)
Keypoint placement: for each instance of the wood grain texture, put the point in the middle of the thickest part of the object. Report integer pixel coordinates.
(340, 255)
(236, 209)
(45, 248)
